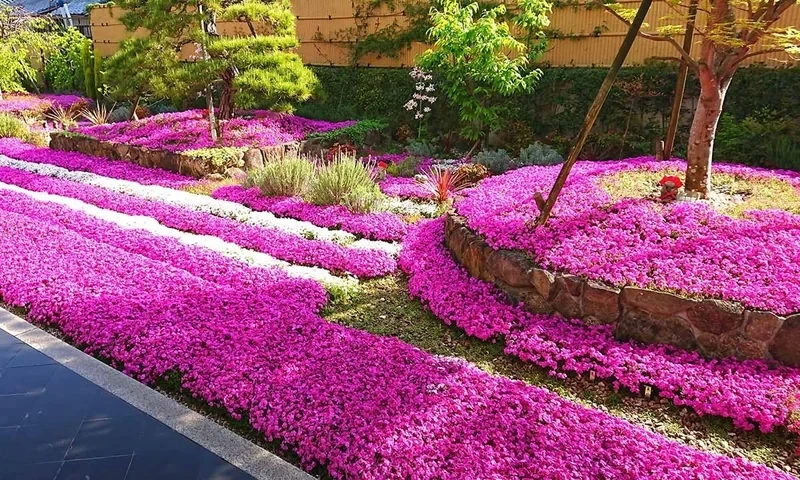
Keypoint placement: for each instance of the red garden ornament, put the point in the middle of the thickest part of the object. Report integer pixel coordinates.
(669, 188)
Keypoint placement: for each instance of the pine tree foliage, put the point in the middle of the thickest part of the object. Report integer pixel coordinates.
(257, 67)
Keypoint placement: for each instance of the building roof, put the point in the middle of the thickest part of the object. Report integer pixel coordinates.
(77, 7)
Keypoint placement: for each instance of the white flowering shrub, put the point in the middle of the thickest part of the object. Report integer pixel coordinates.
(423, 98)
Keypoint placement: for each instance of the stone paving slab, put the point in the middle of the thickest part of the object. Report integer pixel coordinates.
(65, 415)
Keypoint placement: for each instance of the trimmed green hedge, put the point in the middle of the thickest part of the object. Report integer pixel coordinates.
(635, 114)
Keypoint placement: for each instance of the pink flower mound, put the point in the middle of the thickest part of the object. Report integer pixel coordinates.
(282, 245)
(404, 188)
(375, 226)
(685, 247)
(188, 130)
(39, 104)
(363, 406)
(748, 392)
(19, 150)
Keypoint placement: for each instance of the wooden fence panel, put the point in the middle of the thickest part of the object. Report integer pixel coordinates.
(327, 30)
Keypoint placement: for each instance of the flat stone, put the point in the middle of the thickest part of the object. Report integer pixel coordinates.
(543, 281)
(747, 348)
(761, 325)
(458, 242)
(253, 159)
(567, 299)
(600, 302)
(532, 301)
(728, 345)
(662, 304)
(275, 152)
(122, 151)
(235, 173)
(708, 344)
(450, 224)
(716, 316)
(786, 346)
(473, 259)
(638, 325)
(508, 267)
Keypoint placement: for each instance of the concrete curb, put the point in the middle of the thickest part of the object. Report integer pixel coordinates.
(238, 451)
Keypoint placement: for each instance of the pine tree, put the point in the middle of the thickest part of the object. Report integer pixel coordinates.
(255, 68)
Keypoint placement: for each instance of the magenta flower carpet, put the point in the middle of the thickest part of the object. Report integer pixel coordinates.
(134, 277)
(38, 104)
(181, 131)
(362, 406)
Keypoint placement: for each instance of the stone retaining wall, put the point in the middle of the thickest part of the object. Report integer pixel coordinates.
(713, 327)
(175, 162)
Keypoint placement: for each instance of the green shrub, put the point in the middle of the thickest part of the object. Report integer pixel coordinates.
(555, 111)
(784, 153)
(364, 199)
(749, 140)
(422, 149)
(538, 154)
(497, 161)
(407, 168)
(219, 157)
(341, 181)
(12, 127)
(355, 134)
(87, 66)
(64, 68)
(98, 73)
(121, 113)
(284, 177)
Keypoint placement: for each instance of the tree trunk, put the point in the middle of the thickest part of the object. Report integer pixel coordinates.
(702, 133)
(228, 91)
(213, 124)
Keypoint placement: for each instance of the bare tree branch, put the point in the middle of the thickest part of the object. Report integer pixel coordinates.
(686, 56)
(757, 53)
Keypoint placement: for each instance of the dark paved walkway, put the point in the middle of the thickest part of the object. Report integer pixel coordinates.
(56, 425)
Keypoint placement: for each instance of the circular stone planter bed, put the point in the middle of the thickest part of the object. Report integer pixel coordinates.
(719, 277)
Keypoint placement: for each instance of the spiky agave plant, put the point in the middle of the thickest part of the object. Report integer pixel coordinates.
(99, 115)
(443, 182)
(62, 116)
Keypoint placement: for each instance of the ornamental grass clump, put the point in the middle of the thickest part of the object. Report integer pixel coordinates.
(346, 181)
(12, 127)
(283, 177)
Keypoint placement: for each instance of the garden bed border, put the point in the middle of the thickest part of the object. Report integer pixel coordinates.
(715, 328)
(164, 159)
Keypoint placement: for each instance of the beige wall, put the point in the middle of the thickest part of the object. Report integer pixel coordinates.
(326, 32)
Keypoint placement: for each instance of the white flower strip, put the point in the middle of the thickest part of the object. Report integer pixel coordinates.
(208, 242)
(409, 207)
(200, 203)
